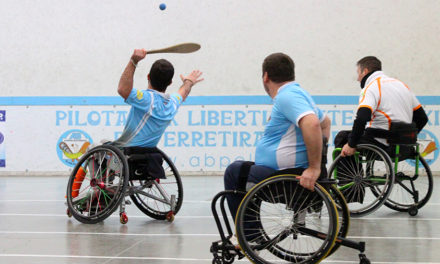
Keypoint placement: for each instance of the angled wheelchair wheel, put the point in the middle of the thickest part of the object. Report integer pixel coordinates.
(159, 198)
(412, 188)
(279, 221)
(365, 179)
(97, 184)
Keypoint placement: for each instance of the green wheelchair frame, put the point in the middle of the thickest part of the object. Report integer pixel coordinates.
(390, 187)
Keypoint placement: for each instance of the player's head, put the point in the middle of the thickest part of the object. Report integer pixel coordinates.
(278, 68)
(161, 75)
(368, 65)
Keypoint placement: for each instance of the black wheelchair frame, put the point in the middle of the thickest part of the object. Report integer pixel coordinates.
(225, 252)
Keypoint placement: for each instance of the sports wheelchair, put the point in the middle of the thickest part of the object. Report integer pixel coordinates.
(105, 175)
(279, 221)
(397, 176)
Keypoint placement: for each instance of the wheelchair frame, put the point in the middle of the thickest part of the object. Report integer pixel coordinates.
(397, 177)
(107, 170)
(224, 252)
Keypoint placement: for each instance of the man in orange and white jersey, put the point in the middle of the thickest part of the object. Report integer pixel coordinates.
(383, 100)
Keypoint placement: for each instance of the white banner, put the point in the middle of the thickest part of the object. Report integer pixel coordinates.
(201, 138)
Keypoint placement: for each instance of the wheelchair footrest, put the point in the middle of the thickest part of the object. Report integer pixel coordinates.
(225, 252)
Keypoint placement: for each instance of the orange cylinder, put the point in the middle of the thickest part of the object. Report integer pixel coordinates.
(79, 177)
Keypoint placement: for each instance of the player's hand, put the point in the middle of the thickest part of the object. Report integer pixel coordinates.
(192, 78)
(309, 177)
(347, 151)
(138, 55)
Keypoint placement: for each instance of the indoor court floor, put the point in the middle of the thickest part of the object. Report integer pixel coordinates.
(34, 228)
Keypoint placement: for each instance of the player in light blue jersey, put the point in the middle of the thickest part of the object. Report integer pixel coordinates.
(151, 110)
(293, 137)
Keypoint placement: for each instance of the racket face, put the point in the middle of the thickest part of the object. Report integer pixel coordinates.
(186, 47)
(180, 48)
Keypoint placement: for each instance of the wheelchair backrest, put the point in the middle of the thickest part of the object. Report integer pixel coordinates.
(403, 133)
(144, 163)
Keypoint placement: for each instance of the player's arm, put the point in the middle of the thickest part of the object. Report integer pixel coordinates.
(188, 82)
(363, 115)
(312, 134)
(325, 127)
(126, 81)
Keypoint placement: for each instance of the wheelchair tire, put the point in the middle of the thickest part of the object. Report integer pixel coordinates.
(97, 184)
(400, 198)
(281, 222)
(366, 181)
(152, 205)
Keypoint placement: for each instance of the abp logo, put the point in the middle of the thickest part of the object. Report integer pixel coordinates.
(424, 137)
(72, 145)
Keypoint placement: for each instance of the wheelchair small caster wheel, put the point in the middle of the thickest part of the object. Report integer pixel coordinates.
(69, 214)
(217, 260)
(413, 211)
(227, 257)
(170, 216)
(123, 218)
(363, 259)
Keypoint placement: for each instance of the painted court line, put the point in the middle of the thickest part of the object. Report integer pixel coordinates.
(210, 216)
(113, 215)
(186, 235)
(185, 201)
(62, 201)
(180, 259)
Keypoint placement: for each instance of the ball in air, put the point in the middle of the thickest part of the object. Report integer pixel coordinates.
(162, 6)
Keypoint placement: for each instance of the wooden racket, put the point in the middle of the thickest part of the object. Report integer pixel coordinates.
(179, 48)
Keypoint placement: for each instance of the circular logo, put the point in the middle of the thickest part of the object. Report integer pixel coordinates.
(72, 145)
(427, 136)
(2, 138)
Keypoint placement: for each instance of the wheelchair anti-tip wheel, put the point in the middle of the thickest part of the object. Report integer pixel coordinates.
(365, 179)
(97, 184)
(160, 199)
(279, 221)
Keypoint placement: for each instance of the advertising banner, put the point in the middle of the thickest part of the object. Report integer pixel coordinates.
(2, 139)
(203, 138)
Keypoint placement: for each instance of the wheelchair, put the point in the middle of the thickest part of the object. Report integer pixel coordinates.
(398, 176)
(279, 221)
(104, 177)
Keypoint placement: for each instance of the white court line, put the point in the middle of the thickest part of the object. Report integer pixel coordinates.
(6, 232)
(181, 259)
(101, 257)
(113, 215)
(210, 216)
(59, 201)
(184, 201)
